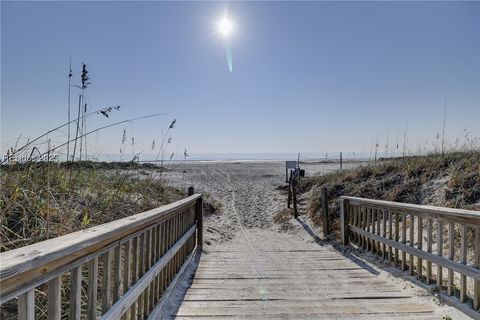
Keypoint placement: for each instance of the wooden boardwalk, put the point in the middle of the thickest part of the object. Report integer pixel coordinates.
(269, 275)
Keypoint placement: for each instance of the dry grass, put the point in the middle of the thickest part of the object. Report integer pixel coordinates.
(449, 180)
(40, 201)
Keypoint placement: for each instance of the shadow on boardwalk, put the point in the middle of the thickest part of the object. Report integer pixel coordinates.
(338, 247)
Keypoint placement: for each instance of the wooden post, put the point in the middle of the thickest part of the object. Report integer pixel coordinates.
(451, 256)
(191, 191)
(294, 196)
(26, 305)
(476, 262)
(92, 288)
(289, 200)
(199, 216)
(344, 221)
(341, 161)
(76, 293)
(325, 212)
(463, 260)
(440, 253)
(54, 296)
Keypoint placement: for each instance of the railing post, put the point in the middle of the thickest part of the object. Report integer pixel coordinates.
(294, 197)
(199, 214)
(325, 212)
(26, 305)
(289, 198)
(344, 221)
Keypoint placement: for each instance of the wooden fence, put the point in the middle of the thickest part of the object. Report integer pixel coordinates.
(440, 246)
(118, 270)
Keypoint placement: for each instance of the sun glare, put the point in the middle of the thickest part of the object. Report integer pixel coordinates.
(225, 26)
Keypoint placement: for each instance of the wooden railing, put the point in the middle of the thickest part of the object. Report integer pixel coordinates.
(118, 270)
(424, 240)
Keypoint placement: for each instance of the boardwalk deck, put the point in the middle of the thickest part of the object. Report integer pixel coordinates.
(272, 275)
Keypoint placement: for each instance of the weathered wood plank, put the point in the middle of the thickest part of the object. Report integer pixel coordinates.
(122, 305)
(107, 280)
(26, 305)
(452, 265)
(92, 288)
(419, 246)
(404, 241)
(54, 298)
(412, 241)
(429, 250)
(76, 293)
(440, 252)
(476, 283)
(117, 273)
(463, 259)
(451, 256)
(446, 214)
(21, 267)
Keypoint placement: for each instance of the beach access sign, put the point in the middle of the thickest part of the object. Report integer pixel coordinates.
(289, 165)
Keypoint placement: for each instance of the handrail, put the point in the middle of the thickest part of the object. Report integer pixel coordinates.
(127, 249)
(394, 230)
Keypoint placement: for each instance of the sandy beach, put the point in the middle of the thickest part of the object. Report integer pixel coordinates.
(247, 191)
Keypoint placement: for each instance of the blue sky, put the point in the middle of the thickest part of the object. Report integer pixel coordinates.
(307, 76)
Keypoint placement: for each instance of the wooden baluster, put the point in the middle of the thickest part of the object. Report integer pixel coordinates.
(26, 305)
(175, 238)
(364, 226)
(429, 250)
(379, 221)
(354, 223)
(396, 234)
(463, 259)
(141, 271)
(412, 241)
(152, 262)
(384, 233)
(476, 283)
(160, 254)
(420, 247)
(390, 235)
(199, 219)
(161, 242)
(360, 224)
(117, 280)
(367, 228)
(440, 253)
(127, 266)
(157, 255)
(451, 256)
(404, 241)
(133, 309)
(76, 293)
(374, 222)
(164, 248)
(107, 280)
(148, 251)
(54, 298)
(92, 288)
(127, 271)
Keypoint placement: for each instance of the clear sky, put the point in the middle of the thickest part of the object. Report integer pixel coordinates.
(307, 76)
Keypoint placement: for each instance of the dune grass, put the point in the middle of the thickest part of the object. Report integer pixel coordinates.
(39, 201)
(448, 180)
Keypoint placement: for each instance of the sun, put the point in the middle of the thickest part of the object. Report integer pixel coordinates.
(225, 26)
